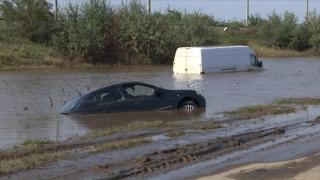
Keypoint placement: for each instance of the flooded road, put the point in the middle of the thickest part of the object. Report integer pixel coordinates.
(30, 99)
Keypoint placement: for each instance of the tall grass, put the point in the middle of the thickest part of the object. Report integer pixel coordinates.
(101, 34)
(96, 32)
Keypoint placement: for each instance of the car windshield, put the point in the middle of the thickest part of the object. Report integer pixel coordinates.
(67, 108)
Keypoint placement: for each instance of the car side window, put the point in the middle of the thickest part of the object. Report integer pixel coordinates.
(109, 96)
(139, 91)
(103, 97)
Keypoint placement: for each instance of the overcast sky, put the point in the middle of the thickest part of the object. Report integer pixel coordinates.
(228, 9)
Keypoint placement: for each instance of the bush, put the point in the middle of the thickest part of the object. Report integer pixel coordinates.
(175, 29)
(82, 30)
(156, 37)
(33, 18)
(314, 25)
(285, 32)
(255, 20)
(301, 37)
(129, 35)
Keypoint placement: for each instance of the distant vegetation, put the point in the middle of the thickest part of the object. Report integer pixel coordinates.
(97, 33)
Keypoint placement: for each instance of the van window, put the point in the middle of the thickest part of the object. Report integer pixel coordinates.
(254, 60)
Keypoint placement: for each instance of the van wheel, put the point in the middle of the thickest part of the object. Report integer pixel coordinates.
(188, 106)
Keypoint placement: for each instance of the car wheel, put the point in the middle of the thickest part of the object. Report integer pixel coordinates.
(188, 106)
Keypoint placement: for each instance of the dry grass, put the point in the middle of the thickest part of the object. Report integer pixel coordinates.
(209, 126)
(122, 144)
(140, 125)
(251, 112)
(177, 133)
(263, 51)
(33, 143)
(28, 162)
(298, 101)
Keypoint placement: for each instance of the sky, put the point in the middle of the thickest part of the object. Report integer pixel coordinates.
(227, 9)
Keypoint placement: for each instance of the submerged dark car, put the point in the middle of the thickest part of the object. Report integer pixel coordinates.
(134, 96)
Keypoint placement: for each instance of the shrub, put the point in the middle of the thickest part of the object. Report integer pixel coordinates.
(314, 25)
(33, 18)
(157, 36)
(255, 20)
(82, 30)
(301, 37)
(285, 32)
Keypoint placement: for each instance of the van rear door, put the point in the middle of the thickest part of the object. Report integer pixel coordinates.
(180, 61)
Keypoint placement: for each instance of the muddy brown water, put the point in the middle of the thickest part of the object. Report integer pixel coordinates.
(30, 99)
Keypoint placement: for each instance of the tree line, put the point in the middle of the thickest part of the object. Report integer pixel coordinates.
(96, 32)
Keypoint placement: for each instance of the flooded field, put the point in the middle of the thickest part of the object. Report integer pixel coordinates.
(30, 99)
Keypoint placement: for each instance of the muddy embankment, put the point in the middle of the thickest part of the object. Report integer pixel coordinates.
(174, 150)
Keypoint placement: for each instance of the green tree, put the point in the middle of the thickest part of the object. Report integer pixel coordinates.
(285, 32)
(82, 30)
(32, 18)
(314, 25)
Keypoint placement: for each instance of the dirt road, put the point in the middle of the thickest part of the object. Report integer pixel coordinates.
(174, 151)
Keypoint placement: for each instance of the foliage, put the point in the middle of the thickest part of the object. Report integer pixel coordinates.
(129, 34)
(33, 18)
(285, 32)
(96, 32)
(255, 20)
(314, 25)
(82, 30)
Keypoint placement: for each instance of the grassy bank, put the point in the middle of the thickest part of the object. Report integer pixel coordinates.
(278, 107)
(17, 52)
(95, 33)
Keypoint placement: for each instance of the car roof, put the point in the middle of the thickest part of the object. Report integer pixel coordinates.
(118, 85)
(129, 83)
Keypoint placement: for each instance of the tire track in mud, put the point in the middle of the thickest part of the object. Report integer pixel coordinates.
(183, 155)
(173, 156)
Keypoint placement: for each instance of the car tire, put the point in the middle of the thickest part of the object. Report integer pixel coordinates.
(188, 106)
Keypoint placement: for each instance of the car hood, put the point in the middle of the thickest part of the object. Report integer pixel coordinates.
(68, 107)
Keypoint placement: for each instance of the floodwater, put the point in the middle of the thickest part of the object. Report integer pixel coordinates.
(30, 99)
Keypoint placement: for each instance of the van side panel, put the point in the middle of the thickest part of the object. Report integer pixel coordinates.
(213, 59)
(218, 60)
(242, 56)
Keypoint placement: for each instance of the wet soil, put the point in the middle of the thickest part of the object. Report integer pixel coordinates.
(195, 153)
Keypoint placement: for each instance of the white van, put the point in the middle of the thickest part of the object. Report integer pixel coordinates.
(200, 60)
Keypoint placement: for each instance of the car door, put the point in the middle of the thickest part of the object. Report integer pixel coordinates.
(143, 97)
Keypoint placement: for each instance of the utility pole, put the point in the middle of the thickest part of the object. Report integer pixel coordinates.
(56, 5)
(248, 12)
(149, 6)
(307, 9)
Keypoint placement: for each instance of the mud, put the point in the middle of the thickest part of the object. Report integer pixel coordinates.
(170, 159)
(196, 153)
